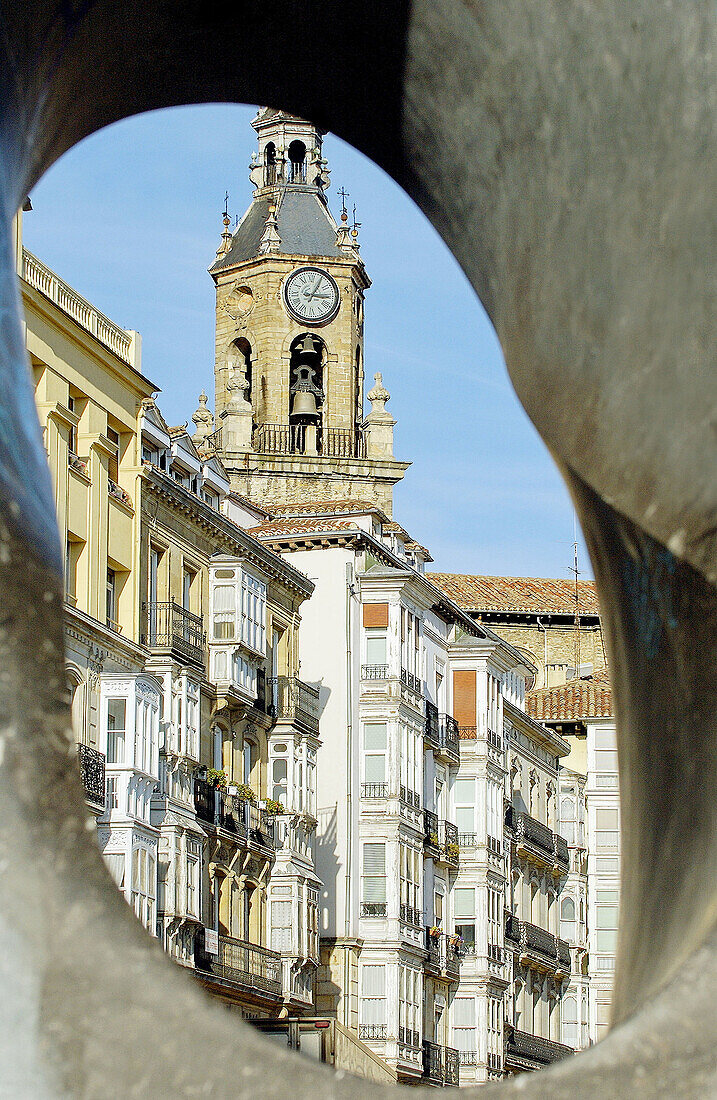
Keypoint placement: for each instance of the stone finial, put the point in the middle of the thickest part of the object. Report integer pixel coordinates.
(203, 420)
(378, 396)
(270, 241)
(226, 241)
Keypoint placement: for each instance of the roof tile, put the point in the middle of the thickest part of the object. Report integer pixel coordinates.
(586, 697)
(537, 595)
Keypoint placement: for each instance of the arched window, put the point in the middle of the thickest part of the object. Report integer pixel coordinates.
(306, 385)
(239, 363)
(270, 165)
(567, 920)
(297, 162)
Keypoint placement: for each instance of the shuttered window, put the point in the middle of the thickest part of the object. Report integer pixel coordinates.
(464, 697)
(374, 873)
(375, 615)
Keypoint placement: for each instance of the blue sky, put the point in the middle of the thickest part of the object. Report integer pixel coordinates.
(132, 219)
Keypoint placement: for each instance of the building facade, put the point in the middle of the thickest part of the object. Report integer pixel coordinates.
(197, 741)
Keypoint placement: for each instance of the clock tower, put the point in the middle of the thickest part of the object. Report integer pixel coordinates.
(289, 361)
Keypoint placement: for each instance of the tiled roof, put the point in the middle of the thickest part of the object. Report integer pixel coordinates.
(537, 595)
(281, 527)
(323, 507)
(586, 697)
(303, 221)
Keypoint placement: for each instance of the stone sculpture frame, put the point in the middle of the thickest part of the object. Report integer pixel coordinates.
(562, 151)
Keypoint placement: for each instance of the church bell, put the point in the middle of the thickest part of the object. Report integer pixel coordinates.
(305, 404)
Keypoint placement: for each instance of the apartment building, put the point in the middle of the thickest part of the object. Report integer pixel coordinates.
(197, 741)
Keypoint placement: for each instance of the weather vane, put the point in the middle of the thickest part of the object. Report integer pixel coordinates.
(356, 225)
(226, 204)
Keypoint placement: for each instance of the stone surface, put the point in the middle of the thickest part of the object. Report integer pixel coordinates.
(564, 154)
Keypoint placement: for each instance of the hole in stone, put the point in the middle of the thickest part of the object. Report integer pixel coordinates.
(278, 839)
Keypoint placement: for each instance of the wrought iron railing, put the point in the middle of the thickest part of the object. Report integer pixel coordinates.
(440, 1064)
(213, 440)
(243, 819)
(374, 672)
(448, 836)
(539, 839)
(373, 1032)
(374, 790)
(92, 773)
(171, 626)
(431, 837)
(468, 1057)
(467, 840)
(411, 681)
(550, 950)
(239, 961)
(294, 699)
(445, 951)
(411, 915)
(521, 1046)
(294, 439)
(410, 798)
(432, 725)
(373, 908)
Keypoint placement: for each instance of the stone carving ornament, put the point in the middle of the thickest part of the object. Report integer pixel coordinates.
(563, 152)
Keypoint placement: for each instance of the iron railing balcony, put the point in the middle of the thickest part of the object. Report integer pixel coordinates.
(242, 963)
(440, 1064)
(293, 439)
(374, 790)
(538, 842)
(444, 953)
(374, 672)
(468, 1057)
(526, 1051)
(431, 838)
(373, 1032)
(295, 700)
(411, 915)
(467, 840)
(432, 725)
(410, 798)
(92, 774)
(409, 680)
(373, 909)
(441, 732)
(538, 947)
(244, 820)
(448, 843)
(172, 627)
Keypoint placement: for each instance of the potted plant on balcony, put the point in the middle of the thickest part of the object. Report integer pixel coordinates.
(217, 779)
(458, 944)
(245, 792)
(433, 840)
(273, 807)
(434, 933)
(452, 850)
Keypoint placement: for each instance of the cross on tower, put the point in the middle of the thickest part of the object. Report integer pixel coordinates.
(344, 195)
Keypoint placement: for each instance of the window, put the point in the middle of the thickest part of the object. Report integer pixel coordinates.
(567, 820)
(409, 991)
(239, 608)
(495, 922)
(602, 1013)
(143, 886)
(464, 1024)
(187, 581)
(376, 647)
(72, 438)
(111, 598)
(113, 461)
(374, 758)
(570, 1020)
(116, 727)
(606, 828)
(464, 798)
(411, 862)
(606, 902)
(373, 883)
(373, 996)
(605, 751)
(281, 923)
(116, 863)
(464, 914)
(193, 878)
(567, 919)
(111, 792)
(279, 776)
(410, 643)
(224, 600)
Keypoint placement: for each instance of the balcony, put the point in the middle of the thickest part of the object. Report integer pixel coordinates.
(440, 839)
(538, 948)
(411, 915)
(444, 954)
(175, 630)
(440, 1064)
(374, 672)
(373, 1033)
(92, 774)
(243, 964)
(537, 842)
(531, 1052)
(441, 733)
(294, 439)
(374, 790)
(247, 822)
(296, 701)
(412, 682)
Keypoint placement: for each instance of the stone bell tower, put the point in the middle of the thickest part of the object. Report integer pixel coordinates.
(289, 364)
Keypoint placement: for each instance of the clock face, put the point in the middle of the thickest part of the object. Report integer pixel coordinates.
(311, 295)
